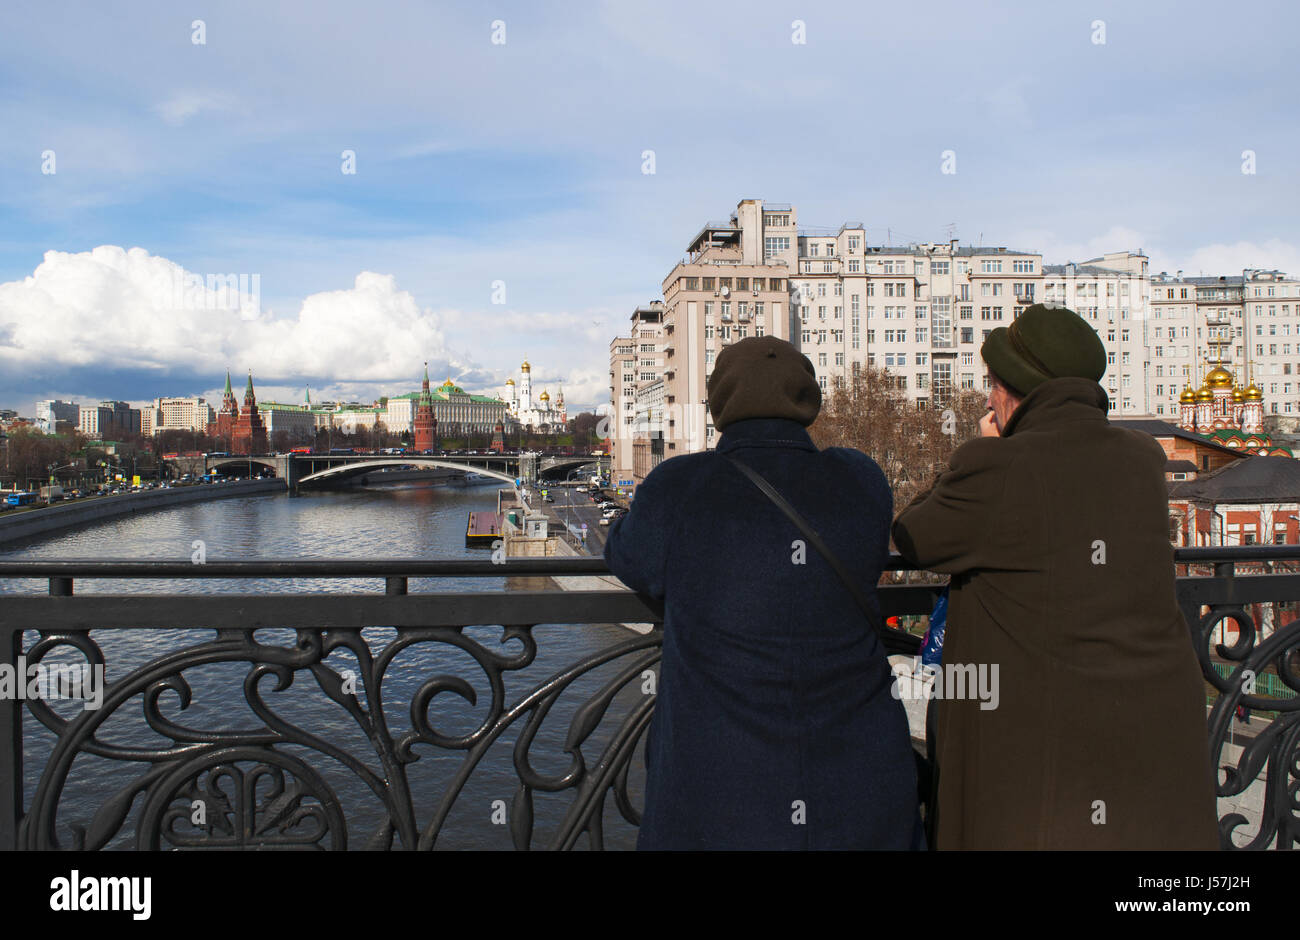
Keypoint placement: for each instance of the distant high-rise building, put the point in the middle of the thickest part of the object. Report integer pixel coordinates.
(52, 411)
(187, 414)
(109, 420)
(1112, 294)
(733, 283)
(1246, 324)
(636, 363)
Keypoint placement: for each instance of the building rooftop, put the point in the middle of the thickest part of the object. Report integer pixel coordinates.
(1260, 479)
(1091, 270)
(926, 251)
(1158, 428)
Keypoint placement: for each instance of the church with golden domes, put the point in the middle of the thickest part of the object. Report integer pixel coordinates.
(541, 414)
(1227, 414)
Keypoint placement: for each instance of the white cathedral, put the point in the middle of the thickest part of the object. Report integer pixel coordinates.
(537, 415)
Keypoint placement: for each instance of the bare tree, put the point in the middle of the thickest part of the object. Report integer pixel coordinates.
(870, 412)
(911, 443)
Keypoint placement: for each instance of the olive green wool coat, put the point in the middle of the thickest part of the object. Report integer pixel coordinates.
(1057, 538)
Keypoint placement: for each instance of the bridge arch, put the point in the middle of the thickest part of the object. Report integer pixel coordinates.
(217, 463)
(355, 468)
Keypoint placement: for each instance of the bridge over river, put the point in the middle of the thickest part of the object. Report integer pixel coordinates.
(305, 469)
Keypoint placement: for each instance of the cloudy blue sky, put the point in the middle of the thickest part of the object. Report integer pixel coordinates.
(521, 162)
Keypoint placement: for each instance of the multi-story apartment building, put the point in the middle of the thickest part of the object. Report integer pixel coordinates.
(1112, 293)
(648, 430)
(190, 414)
(647, 337)
(734, 282)
(91, 417)
(919, 311)
(622, 398)
(1258, 311)
(1271, 315)
(108, 420)
(922, 311)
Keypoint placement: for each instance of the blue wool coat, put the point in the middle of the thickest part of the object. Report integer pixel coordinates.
(775, 726)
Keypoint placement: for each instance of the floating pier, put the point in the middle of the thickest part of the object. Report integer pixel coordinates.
(483, 529)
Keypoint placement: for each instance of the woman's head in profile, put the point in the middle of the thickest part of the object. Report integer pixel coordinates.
(763, 377)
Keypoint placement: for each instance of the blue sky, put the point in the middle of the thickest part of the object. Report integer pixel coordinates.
(479, 162)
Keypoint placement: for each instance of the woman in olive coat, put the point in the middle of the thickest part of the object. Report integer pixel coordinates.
(1056, 534)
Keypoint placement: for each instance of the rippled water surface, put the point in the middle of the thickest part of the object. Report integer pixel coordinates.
(398, 520)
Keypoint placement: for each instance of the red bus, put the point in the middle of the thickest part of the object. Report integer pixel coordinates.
(300, 450)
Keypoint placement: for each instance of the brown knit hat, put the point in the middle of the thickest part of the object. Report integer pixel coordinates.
(763, 377)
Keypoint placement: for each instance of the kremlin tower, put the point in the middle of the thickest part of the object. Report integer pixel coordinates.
(249, 434)
(224, 427)
(425, 436)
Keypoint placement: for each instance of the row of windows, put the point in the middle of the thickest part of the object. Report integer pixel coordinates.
(743, 309)
(1085, 290)
(740, 283)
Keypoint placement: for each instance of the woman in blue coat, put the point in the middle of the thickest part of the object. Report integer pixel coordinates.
(775, 726)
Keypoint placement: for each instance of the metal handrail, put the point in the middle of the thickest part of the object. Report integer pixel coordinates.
(1208, 600)
(434, 567)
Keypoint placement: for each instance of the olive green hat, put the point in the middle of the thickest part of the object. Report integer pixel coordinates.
(1044, 343)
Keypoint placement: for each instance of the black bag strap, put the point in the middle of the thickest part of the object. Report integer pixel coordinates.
(894, 641)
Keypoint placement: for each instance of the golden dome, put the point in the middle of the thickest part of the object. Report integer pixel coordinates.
(545, 396)
(1204, 394)
(510, 381)
(1253, 393)
(1219, 377)
(1237, 397)
(1188, 396)
(526, 367)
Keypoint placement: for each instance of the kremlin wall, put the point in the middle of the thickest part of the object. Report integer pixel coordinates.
(249, 426)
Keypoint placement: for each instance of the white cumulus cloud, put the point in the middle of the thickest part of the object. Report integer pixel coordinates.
(121, 309)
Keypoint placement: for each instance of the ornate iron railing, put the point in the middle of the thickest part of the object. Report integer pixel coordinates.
(73, 779)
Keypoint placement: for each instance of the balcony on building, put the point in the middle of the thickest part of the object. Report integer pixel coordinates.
(715, 243)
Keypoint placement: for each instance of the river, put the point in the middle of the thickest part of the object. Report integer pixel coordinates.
(405, 520)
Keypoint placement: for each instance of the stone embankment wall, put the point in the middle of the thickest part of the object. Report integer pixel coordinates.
(16, 525)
